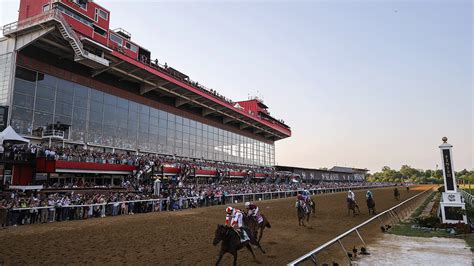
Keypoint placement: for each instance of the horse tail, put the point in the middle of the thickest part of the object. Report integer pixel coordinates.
(268, 225)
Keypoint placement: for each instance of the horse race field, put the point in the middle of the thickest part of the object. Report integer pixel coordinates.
(185, 237)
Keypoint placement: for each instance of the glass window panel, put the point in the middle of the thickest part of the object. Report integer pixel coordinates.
(122, 103)
(22, 114)
(64, 97)
(171, 117)
(24, 87)
(44, 105)
(161, 131)
(46, 80)
(81, 91)
(132, 116)
(97, 96)
(154, 112)
(133, 106)
(22, 100)
(153, 129)
(144, 118)
(96, 112)
(110, 99)
(63, 109)
(21, 126)
(186, 129)
(144, 127)
(163, 115)
(80, 113)
(63, 119)
(80, 102)
(179, 120)
(132, 133)
(65, 85)
(154, 121)
(144, 109)
(171, 125)
(163, 123)
(78, 131)
(110, 116)
(42, 119)
(45, 92)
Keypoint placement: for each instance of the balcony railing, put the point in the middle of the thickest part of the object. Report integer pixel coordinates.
(53, 134)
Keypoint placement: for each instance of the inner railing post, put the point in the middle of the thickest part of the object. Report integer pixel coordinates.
(345, 251)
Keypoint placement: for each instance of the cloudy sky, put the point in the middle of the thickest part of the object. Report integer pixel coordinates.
(361, 83)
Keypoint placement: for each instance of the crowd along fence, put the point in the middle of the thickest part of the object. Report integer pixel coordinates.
(83, 211)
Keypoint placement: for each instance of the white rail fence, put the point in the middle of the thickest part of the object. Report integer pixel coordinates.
(392, 213)
(468, 198)
(85, 211)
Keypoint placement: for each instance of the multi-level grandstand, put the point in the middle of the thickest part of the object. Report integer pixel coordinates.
(68, 79)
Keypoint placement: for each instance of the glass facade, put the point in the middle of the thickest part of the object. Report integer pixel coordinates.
(103, 119)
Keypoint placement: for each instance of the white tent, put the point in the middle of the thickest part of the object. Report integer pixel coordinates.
(9, 134)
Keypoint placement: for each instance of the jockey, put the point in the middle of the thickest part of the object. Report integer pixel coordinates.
(253, 211)
(305, 195)
(301, 202)
(350, 196)
(369, 194)
(235, 218)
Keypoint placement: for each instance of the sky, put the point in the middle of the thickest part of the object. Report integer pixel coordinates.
(363, 84)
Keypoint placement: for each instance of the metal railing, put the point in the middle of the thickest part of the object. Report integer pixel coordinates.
(239, 198)
(56, 134)
(80, 211)
(468, 198)
(392, 214)
(56, 15)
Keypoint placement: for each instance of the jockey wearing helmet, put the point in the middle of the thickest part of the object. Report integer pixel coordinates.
(235, 218)
(305, 194)
(301, 202)
(252, 208)
(253, 211)
(350, 196)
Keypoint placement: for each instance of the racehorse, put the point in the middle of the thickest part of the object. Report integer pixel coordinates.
(351, 206)
(311, 204)
(302, 213)
(252, 223)
(408, 189)
(396, 194)
(231, 242)
(371, 205)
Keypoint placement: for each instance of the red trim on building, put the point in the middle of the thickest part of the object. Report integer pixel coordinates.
(44, 165)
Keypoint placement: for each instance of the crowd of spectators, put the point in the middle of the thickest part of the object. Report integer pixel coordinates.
(73, 205)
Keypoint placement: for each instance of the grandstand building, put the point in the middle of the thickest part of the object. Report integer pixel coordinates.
(66, 77)
(335, 174)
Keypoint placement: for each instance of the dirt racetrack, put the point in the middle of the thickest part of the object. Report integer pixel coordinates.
(185, 237)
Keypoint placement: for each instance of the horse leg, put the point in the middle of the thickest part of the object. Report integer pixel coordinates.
(260, 247)
(249, 247)
(234, 253)
(221, 253)
(261, 232)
